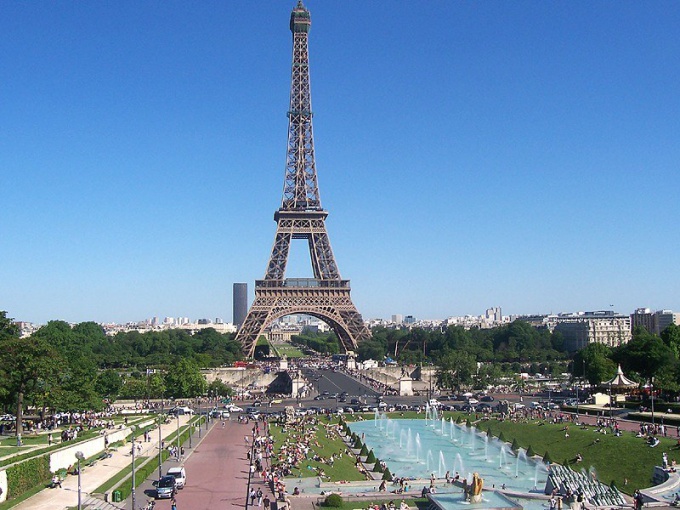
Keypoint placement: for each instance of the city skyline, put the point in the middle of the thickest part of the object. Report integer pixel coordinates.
(519, 154)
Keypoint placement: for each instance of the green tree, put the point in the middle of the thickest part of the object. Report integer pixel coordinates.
(156, 385)
(671, 337)
(598, 363)
(28, 368)
(7, 326)
(185, 380)
(218, 388)
(456, 368)
(108, 384)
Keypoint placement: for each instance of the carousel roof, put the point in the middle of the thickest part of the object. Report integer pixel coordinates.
(619, 380)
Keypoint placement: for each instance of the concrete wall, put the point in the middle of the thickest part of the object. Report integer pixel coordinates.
(65, 457)
(239, 378)
(3, 485)
(390, 374)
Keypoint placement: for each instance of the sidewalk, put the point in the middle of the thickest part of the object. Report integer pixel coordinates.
(94, 476)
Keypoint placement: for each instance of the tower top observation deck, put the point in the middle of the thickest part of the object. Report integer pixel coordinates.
(300, 20)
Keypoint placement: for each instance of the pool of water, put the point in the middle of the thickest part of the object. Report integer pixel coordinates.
(490, 500)
(419, 448)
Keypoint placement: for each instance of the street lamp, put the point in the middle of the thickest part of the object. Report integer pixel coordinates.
(178, 448)
(160, 447)
(133, 429)
(651, 389)
(80, 456)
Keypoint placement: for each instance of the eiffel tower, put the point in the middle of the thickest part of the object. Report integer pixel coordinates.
(326, 296)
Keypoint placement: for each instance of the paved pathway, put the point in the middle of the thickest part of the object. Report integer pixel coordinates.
(217, 472)
(94, 476)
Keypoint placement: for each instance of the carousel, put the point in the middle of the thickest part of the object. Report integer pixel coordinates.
(617, 387)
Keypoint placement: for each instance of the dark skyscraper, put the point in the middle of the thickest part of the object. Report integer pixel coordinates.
(240, 303)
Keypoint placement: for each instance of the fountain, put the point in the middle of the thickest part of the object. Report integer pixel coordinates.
(418, 447)
(459, 462)
(430, 461)
(520, 454)
(502, 457)
(463, 449)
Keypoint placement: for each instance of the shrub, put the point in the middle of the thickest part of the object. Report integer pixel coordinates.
(377, 468)
(387, 475)
(515, 445)
(364, 451)
(459, 419)
(501, 437)
(357, 444)
(26, 475)
(333, 500)
(371, 457)
(546, 458)
(468, 423)
(530, 452)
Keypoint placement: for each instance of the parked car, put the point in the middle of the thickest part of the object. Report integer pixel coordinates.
(181, 410)
(165, 487)
(220, 413)
(486, 398)
(180, 476)
(234, 408)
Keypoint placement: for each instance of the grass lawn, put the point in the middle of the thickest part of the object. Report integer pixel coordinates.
(614, 459)
(342, 469)
(289, 350)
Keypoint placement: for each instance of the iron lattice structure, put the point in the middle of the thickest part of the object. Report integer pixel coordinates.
(326, 296)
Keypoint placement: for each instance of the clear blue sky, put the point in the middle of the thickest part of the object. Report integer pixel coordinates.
(471, 154)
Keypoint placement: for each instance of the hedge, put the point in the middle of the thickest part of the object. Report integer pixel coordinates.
(26, 475)
(370, 458)
(333, 500)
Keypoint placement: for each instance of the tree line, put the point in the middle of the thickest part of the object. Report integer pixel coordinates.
(74, 368)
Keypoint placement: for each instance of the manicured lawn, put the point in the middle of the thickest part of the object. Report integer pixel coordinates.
(614, 459)
(342, 469)
(289, 350)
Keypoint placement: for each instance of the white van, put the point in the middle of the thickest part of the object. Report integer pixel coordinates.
(180, 476)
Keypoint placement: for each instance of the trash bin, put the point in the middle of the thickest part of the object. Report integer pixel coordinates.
(116, 497)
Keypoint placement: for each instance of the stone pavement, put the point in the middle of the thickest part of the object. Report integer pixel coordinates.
(94, 476)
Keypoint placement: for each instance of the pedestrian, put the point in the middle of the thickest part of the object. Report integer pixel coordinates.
(259, 497)
(267, 503)
(174, 504)
(49, 439)
(252, 497)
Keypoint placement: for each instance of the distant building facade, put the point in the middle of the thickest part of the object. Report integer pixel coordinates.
(602, 327)
(654, 322)
(240, 303)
